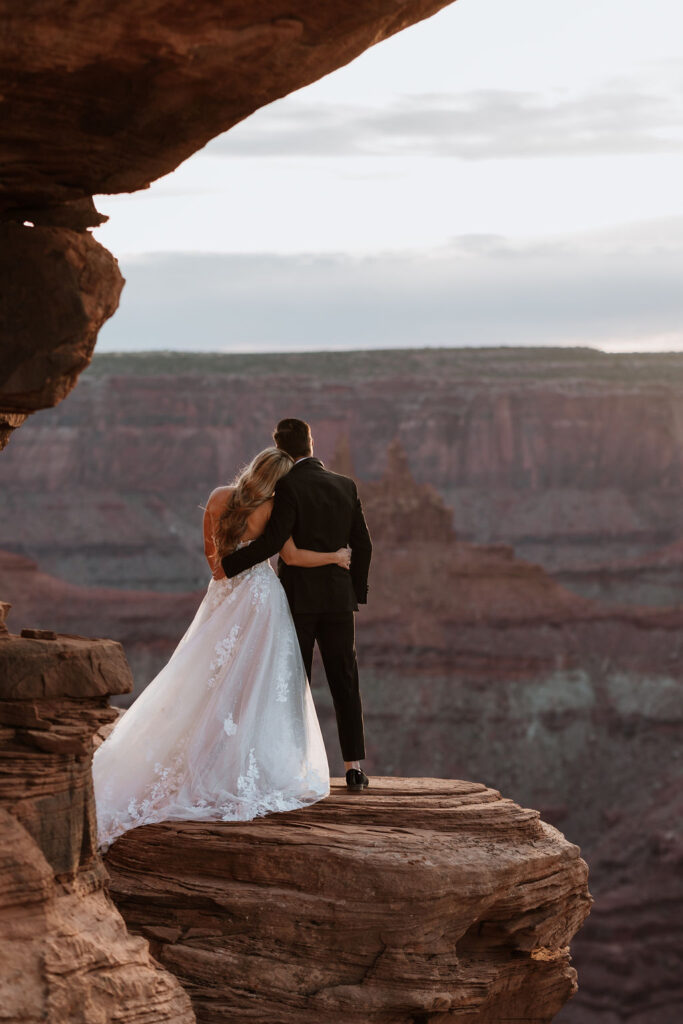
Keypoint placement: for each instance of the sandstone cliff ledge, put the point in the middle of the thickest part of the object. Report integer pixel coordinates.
(420, 900)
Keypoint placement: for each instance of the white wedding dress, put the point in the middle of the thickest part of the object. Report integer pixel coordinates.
(227, 730)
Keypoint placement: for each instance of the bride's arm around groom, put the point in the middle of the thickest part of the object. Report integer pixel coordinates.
(277, 531)
(283, 523)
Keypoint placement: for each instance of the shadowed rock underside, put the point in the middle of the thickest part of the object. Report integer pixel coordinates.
(105, 98)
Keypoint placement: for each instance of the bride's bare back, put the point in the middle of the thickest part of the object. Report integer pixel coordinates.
(215, 507)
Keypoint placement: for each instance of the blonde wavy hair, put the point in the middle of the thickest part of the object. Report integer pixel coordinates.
(252, 487)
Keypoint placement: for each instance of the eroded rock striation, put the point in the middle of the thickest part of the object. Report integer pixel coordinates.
(422, 899)
(66, 955)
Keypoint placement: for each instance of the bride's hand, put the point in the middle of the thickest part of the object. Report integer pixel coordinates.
(344, 557)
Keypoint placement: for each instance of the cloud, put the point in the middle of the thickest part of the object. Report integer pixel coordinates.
(485, 124)
(619, 287)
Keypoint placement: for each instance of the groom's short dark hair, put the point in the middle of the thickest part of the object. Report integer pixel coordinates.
(294, 437)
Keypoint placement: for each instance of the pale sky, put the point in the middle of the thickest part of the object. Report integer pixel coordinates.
(499, 174)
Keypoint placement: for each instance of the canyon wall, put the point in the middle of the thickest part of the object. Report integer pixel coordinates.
(573, 457)
(630, 957)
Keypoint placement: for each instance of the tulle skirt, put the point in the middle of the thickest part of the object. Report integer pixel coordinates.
(227, 730)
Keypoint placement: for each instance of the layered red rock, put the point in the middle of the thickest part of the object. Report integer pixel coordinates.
(66, 954)
(400, 510)
(9, 421)
(420, 899)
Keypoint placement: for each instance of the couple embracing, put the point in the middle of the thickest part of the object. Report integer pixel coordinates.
(227, 730)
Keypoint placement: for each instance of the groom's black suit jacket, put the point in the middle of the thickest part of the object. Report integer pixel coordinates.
(321, 511)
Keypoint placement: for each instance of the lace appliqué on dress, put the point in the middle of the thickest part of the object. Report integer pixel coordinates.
(251, 803)
(223, 650)
(246, 784)
(145, 810)
(285, 668)
(258, 580)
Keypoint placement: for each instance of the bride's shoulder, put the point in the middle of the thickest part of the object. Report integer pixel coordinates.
(218, 497)
(261, 514)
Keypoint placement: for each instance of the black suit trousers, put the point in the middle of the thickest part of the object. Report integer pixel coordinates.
(335, 635)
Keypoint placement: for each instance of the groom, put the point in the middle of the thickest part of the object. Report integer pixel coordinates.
(321, 511)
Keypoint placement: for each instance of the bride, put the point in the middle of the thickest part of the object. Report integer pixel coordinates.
(227, 730)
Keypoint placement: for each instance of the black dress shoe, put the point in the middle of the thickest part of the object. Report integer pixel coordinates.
(356, 780)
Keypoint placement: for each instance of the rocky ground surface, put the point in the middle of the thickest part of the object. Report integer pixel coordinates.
(422, 899)
(66, 954)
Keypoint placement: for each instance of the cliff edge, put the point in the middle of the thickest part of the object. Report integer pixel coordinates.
(419, 900)
(66, 955)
